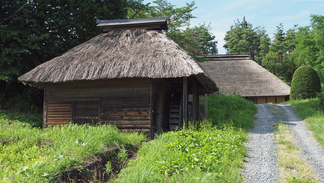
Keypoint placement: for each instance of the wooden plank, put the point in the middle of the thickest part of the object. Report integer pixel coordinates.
(262, 100)
(135, 130)
(68, 93)
(147, 122)
(185, 101)
(113, 118)
(45, 109)
(127, 113)
(58, 122)
(59, 112)
(152, 107)
(271, 100)
(280, 99)
(135, 125)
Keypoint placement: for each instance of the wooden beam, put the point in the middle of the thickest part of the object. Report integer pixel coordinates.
(152, 109)
(195, 102)
(206, 106)
(45, 109)
(185, 101)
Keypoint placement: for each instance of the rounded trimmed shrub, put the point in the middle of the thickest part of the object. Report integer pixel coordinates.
(305, 83)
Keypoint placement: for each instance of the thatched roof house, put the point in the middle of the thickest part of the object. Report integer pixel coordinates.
(238, 74)
(128, 76)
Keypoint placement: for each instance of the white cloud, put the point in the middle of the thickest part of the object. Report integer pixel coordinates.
(295, 17)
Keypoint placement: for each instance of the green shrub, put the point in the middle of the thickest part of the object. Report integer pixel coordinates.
(305, 83)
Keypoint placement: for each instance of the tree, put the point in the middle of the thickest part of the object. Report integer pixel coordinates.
(279, 60)
(309, 45)
(271, 62)
(263, 46)
(278, 44)
(242, 38)
(35, 31)
(197, 40)
(305, 83)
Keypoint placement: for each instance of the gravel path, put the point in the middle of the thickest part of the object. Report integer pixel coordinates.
(310, 149)
(261, 165)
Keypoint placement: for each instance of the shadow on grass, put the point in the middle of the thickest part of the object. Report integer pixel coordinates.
(35, 120)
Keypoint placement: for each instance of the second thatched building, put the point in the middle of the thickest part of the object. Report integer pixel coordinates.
(238, 74)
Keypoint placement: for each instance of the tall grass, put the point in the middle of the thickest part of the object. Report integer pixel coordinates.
(223, 110)
(212, 151)
(30, 154)
(206, 155)
(312, 112)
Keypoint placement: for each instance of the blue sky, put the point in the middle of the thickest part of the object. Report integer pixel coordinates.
(266, 13)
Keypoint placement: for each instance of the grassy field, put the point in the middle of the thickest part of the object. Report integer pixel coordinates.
(210, 152)
(30, 154)
(311, 111)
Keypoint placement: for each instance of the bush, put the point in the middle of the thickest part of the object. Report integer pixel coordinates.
(305, 83)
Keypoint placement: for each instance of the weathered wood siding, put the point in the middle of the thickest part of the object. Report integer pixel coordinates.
(58, 112)
(123, 102)
(162, 101)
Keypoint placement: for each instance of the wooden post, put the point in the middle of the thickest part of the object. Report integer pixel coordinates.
(195, 102)
(206, 106)
(152, 109)
(44, 109)
(185, 101)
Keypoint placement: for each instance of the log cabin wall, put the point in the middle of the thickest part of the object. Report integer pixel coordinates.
(122, 102)
(162, 101)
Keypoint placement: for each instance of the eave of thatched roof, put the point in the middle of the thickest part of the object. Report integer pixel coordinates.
(244, 77)
(136, 53)
(147, 23)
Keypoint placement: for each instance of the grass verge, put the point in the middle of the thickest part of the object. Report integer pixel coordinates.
(30, 154)
(314, 117)
(212, 151)
(293, 168)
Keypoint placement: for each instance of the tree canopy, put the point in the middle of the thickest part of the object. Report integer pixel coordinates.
(309, 45)
(243, 38)
(35, 31)
(32, 32)
(197, 40)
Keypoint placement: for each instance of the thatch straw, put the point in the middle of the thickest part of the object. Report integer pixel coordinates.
(244, 77)
(134, 53)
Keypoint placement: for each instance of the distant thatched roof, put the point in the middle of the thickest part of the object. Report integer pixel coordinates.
(135, 53)
(240, 75)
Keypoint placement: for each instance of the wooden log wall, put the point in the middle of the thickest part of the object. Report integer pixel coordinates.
(123, 102)
(59, 112)
(162, 101)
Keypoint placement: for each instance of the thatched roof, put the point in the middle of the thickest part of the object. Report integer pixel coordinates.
(135, 53)
(240, 75)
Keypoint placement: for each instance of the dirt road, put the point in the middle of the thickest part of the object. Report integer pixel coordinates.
(262, 164)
